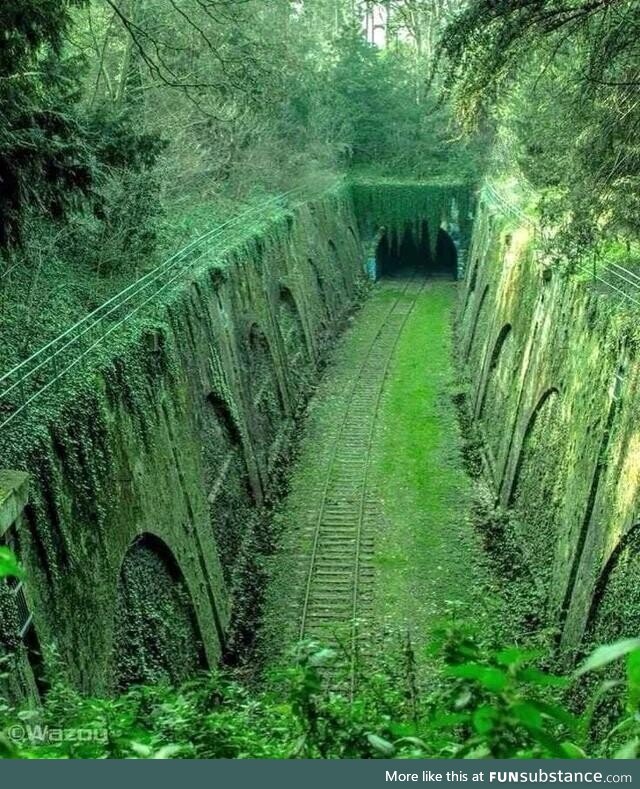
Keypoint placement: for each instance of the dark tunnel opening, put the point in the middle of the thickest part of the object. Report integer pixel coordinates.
(398, 254)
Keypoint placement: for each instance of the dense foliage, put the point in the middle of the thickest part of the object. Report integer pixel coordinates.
(125, 122)
(54, 150)
(559, 81)
(129, 127)
(487, 702)
(91, 92)
(483, 704)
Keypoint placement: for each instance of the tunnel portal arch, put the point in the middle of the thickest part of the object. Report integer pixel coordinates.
(410, 248)
(156, 634)
(446, 259)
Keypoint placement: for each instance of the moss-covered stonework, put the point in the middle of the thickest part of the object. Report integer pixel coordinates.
(555, 384)
(156, 635)
(175, 431)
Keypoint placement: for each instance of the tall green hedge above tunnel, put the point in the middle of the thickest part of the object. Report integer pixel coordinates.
(381, 202)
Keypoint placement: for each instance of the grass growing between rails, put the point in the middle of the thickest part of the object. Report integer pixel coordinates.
(427, 556)
(427, 553)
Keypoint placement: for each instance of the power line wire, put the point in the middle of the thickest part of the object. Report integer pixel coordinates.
(50, 353)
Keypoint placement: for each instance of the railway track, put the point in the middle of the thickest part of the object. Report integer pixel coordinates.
(338, 593)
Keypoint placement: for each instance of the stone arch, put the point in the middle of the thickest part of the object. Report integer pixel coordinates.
(336, 267)
(156, 634)
(445, 263)
(476, 321)
(534, 493)
(290, 325)
(592, 514)
(548, 396)
(261, 361)
(472, 277)
(229, 430)
(473, 281)
(384, 253)
(614, 611)
(231, 491)
(24, 669)
(410, 249)
(264, 386)
(494, 373)
(324, 294)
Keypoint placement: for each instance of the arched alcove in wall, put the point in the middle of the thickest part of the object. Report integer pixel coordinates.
(227, 426)
(326, 301)
(536, 484)
(340, 280)
(262, 383)
(473, 277)
(591, 508)
(156, 636)
(290, 324)
(497, 379)
(472, 281)
(615, 606)
(231, 493)
(477, 320)
(536, 423)
(496, 388)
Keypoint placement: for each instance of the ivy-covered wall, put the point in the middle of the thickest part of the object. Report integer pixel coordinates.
(555, 392)
(174, 436)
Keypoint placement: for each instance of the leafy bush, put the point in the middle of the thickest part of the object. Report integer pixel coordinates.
(486, 703)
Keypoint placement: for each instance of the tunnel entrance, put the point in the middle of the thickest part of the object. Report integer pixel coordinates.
(411, 250)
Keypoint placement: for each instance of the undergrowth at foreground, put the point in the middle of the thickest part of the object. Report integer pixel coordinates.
(482, 703)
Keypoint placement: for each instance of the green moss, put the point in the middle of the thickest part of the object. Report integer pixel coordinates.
(427, 554)
(417, 492)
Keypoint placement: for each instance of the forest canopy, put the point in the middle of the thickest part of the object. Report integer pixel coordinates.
(111, 106)
(560, 81)
(128, 125)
